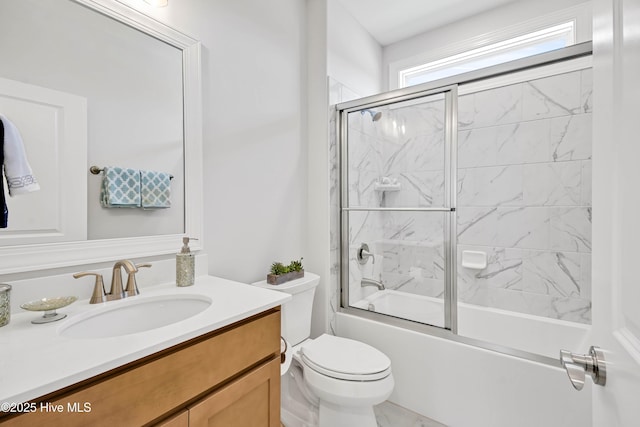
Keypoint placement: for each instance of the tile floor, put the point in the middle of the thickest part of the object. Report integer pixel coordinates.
(391, 415)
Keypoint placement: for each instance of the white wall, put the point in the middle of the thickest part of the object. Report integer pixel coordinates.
(478, 30)
(354, 56)
(317, 244)
(254, 136)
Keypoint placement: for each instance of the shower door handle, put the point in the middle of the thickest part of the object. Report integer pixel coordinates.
(578, 365)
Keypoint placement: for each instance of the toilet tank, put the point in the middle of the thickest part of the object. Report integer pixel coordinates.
(296, 313)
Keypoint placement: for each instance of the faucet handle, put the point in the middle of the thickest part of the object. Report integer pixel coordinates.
(132, 286)
(99, 294)
(363, 255)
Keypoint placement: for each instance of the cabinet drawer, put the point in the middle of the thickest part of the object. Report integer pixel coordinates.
(145, 392)
(252, 400)
(179, 420)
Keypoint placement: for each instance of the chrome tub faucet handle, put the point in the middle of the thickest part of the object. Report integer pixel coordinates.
(363, 255)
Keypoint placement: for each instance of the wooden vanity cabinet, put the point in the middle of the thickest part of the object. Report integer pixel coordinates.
(181, 419)
(229, 377)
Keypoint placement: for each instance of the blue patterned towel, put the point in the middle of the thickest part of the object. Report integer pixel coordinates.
(155, 189)
(120, 188)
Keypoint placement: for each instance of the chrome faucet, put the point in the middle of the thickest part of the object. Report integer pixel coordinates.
(116, 292)
(370, 282)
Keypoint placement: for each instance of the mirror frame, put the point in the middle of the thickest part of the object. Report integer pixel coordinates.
(33, 257)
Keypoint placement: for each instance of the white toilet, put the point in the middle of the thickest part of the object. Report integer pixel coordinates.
(328, 381)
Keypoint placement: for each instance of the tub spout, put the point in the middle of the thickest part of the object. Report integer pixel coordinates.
(370, 282)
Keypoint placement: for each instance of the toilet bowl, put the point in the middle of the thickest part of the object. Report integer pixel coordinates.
(331, 381)
(348, 377)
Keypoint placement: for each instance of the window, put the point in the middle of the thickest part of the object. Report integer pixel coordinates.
(541, 41)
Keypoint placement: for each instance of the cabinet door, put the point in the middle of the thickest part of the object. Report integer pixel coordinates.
(252, 400)
(179, 420)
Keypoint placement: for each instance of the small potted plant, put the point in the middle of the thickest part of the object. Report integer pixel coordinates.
(281, 273)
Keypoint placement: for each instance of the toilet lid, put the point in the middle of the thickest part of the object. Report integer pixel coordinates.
(344, 358)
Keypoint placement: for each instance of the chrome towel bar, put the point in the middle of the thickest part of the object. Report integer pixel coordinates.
(97, 169)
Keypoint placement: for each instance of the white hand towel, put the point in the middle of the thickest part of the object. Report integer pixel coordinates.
(17, 170)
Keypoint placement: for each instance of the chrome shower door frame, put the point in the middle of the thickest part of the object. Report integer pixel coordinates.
(450, 131)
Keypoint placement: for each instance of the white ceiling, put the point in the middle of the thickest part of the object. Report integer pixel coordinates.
(389, 21)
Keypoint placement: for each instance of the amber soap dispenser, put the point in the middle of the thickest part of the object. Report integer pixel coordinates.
(185, 264)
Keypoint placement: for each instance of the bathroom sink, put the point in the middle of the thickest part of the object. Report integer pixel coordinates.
(134, 315)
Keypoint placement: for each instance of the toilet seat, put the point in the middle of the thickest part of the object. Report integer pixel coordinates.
(345, 359)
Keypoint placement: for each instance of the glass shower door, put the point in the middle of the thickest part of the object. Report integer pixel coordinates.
(396, 209)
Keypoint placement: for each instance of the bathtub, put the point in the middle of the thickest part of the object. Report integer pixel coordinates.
(459, 385)
(533, 334)
(405, 305)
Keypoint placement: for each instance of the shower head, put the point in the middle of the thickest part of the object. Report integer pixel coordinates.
(375, 115)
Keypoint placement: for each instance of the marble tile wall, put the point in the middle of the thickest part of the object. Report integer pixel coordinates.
(408, 249)
(406, 145)
(524, 196)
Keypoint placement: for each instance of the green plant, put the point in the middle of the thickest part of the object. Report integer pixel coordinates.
(278, 268)
(295, 265)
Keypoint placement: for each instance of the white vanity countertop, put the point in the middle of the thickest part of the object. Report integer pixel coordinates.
(35, 360)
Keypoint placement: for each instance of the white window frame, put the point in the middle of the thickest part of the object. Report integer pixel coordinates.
(493, 54)
(458, 52)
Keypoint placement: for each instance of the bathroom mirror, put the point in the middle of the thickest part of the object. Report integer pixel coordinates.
(127, 95)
